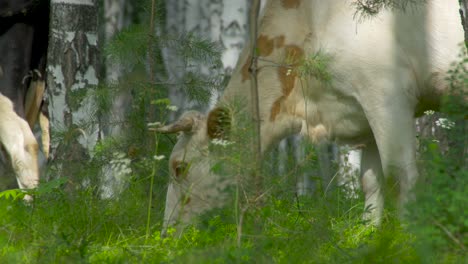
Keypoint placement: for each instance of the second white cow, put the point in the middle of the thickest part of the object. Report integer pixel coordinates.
(383, 71)
(20, 145)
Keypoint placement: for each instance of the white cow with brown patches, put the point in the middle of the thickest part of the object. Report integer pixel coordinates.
(383, 71)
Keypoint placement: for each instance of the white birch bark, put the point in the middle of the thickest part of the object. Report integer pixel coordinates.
(221, 21)
(464, 18)
(71, 76)
(114, 175)
(175, 24)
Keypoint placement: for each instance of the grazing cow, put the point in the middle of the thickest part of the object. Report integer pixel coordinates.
(20, 145)
(379, 73)
(23, 47)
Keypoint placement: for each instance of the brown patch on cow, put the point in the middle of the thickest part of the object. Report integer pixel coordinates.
(180, 169)
(288, 4)
(218, 123)
(266, 45)
(276, 108)
(294, 54)
(245, 69)
(287, 75)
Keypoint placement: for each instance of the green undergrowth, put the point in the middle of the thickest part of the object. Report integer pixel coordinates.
(64, 227)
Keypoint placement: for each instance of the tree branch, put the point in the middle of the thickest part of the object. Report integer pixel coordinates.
(449, 234)
(151, 54)
(257, 148)
(463, 15)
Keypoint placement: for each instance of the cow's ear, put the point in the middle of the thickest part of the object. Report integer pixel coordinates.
(219, 123)
(189, 122)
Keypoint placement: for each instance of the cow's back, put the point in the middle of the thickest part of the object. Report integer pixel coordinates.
(410, 46)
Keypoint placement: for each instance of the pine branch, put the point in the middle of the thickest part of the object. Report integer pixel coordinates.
(370, 8)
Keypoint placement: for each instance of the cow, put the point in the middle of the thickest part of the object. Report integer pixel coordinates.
(379, 74)
(20, 145)
(23, 47)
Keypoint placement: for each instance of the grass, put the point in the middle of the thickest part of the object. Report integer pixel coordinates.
(77, 227)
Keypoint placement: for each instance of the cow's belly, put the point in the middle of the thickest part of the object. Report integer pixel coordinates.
(331, 116)
(344, 119)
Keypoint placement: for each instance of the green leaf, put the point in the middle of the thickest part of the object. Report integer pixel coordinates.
(50, 186)
(12, 194)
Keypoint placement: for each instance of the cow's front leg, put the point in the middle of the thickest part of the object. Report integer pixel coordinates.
(371, 179)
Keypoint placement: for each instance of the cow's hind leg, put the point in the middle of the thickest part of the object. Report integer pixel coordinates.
(371, 179)
(390, 116)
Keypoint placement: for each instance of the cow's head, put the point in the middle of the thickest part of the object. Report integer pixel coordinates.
(195, 186)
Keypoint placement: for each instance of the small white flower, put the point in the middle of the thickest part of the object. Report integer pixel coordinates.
(444, 123)
(119, 155)
(160, 157)
(429, 112)
(172, 108)
(289, 72)
(221, 142)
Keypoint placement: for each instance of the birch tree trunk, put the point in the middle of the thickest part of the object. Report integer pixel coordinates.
(72, 77)
(221, 21)
(464, 18)
(117, 15)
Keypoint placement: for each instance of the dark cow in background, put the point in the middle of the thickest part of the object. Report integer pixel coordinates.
(24, 27)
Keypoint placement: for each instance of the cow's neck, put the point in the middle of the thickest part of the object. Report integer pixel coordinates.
(282, 28)
(284, 40)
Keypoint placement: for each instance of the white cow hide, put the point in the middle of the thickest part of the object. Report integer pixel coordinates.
(20, 145)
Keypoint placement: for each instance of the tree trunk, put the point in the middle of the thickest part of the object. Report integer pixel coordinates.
(464, 18)
(221, 21)
(117, 15)
(72, 77)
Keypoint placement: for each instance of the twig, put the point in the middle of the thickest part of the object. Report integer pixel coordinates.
(256, 142)
(449, 234)
(255, 9)
(150, 36)
(240, 224)
(150, 196)
(151, 53)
